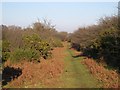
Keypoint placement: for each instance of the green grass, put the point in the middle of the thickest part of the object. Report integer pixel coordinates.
(76, 75)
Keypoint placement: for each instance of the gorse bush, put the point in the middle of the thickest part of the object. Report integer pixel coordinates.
(55, 42)
(36, 43)
(109, 47)
(25, 54)
(5, 50)
(108, 42)
(34, 48)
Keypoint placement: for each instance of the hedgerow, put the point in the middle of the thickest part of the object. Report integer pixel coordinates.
(31, 43)
(101, 42)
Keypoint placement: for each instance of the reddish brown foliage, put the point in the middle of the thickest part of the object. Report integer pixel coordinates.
(108, 77)
(44, 72)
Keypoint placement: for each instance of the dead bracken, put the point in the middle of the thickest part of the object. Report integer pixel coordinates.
(43, 72)
(109, 78)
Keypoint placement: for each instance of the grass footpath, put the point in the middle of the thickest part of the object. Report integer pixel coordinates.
(75, 75)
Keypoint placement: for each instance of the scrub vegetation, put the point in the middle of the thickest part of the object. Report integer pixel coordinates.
(41, 57)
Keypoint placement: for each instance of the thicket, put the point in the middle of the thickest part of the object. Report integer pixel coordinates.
(31, 43)
(101, 41)
(35, 42)
(5, 50)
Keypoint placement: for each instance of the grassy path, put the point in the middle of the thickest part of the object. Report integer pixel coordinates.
(75, 74)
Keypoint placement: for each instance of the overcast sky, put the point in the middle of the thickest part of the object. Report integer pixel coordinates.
(67, 16)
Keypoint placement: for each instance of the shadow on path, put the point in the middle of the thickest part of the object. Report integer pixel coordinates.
(80, 55)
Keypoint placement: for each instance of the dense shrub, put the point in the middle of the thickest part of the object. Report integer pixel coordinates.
(101, 41)
(0, 48)
(63, 36)
(55, 42)
(75, 46)
(34, 48)
(106, 47)
(22, 54)
(36, 43)
(109, 47)
(13, 34)
(83, 37)
(5, 50)
(28, 42)
(49, 34)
